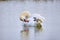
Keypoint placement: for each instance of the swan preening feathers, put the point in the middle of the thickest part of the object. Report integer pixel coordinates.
(31, 20)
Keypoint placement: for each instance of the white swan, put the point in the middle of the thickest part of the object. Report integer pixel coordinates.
(32, 20)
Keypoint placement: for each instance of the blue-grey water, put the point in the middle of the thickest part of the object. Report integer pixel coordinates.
(10, 25)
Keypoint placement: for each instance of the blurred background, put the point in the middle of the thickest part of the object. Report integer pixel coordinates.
(29, 0)
(10, 25)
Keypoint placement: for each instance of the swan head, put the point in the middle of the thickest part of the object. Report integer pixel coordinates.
(24, 15)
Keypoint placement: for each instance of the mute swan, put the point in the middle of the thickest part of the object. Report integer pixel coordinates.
(32, 20)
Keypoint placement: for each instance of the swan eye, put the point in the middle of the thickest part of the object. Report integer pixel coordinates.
(34, 18)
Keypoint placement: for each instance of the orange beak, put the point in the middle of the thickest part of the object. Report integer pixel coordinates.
(26, 20)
